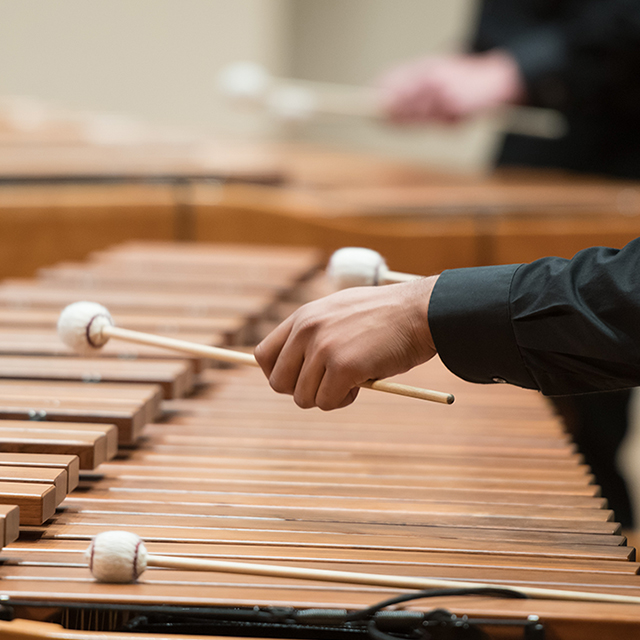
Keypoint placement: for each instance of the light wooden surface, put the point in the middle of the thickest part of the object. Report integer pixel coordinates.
(37, 502)
(488, 490)
(155, 162)
(421, 220)
(491, 492)
(70, 464)
(9, 523)
(429, 227)
(230, 329)
(93, 444)
(40, 225)
(38, 475)
(56, 418)
(30, 293)
(128, 407)
(257, 216)
(345, 496)
(174, 377)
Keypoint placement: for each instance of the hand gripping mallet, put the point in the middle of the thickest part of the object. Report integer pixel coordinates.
(87, 326)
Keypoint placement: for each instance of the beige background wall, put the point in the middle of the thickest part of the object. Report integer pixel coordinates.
(354, 41)
(158, 60)
(155, 59)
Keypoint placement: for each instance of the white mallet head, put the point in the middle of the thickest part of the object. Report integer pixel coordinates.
(80, 326)
(117, 556)
(356, 267)
(292, 104)
(246, 81)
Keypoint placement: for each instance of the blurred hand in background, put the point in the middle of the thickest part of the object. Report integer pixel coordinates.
(450, 88)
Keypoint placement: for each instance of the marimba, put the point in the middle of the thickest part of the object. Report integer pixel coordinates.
(66, 193)
(440, 223)
(62, 201)
(39, 144)
(489, 490)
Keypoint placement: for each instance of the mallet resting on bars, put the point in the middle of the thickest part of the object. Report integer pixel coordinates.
(87, 326)
(120, 556)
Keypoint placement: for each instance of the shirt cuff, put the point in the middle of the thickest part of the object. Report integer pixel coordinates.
(470, 321)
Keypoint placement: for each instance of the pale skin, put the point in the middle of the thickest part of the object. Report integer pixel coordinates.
(450, 88)
(324, 350)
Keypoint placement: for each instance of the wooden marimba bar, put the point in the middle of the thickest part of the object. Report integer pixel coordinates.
(48, 396)
(489, 490)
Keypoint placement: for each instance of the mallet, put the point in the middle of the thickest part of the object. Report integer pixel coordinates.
(360, 267)
(295, 101)
(120, 556)
(87, 326)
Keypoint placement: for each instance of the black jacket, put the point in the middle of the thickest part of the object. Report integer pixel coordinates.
(581, 57)
(561, 326)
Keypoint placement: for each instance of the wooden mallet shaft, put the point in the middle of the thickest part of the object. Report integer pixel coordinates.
(236, 357)
(373, 579)
(392, 277)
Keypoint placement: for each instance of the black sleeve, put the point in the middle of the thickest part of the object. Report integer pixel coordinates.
(583, 57)
(560, 326)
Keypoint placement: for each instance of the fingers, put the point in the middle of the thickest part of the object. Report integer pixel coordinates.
(268, 351)
(411, 93)
(294, 365)
(327, 348)
(286, 371)
(350, 397)
(305, 376)
(306, 388)
(424, 103)
(335, 392)
(448, 89)
(410, 102)
(326, 384)
(282, 357)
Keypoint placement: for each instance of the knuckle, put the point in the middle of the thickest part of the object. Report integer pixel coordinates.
(258, 353)
(331, 399)
(306, 324)
(304, 403)
(279, 385)
(324, 351)
(326, 404)
(340, 365)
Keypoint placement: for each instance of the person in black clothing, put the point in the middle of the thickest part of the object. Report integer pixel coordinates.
(580, 57)
(556, 325)
(559, 326)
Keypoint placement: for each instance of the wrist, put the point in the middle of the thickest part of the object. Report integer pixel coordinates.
(418, 297)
